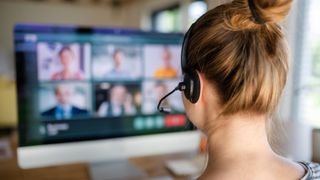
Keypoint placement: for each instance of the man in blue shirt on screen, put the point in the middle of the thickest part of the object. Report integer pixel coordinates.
(64, 109)
(118, 71)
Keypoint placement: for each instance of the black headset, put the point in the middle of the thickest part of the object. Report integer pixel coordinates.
(190, 85)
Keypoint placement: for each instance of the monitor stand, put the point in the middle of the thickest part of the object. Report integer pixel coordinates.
(115, 170)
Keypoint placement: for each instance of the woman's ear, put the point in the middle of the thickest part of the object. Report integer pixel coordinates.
(209, 95)
(195, 111)
(208, 103)
(202, 81)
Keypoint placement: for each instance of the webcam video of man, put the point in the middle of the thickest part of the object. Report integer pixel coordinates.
(116, 62)
(117, 100)
(64, 101)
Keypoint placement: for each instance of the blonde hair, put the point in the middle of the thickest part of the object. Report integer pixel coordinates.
(245, 60)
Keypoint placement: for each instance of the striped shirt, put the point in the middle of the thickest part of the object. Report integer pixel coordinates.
(312, 169)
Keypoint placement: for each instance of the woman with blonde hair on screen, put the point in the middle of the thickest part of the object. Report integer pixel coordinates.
(240, 56)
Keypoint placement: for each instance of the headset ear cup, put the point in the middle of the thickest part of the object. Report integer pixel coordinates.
(192, 82)
(186, 81)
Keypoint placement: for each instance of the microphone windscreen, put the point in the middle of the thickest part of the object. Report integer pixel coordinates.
(165, 110)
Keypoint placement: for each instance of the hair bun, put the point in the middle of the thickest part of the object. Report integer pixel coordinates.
(271, 11)
(251, 14)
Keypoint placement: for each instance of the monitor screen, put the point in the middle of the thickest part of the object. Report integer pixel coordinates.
(77, 83)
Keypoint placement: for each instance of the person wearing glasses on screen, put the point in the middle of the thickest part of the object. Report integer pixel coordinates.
(70, 68)
(235, 65)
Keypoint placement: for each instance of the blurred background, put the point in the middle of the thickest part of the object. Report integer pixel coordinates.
(300, 106)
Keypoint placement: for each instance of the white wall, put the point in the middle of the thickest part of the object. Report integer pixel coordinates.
(140, 11)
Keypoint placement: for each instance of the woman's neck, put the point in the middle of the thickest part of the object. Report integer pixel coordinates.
(240, 146)
(239, 135)
(66, 73)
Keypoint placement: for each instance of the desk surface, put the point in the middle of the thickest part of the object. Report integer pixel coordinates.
(153, 166)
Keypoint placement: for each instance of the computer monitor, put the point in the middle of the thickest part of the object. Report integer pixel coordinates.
(90, 94)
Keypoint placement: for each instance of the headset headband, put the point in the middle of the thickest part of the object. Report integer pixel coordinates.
(184, 49)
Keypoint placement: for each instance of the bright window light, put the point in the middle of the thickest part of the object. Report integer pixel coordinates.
(196, 9)
(308, 90)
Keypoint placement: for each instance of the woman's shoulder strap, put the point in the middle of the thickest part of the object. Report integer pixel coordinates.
(313, 170)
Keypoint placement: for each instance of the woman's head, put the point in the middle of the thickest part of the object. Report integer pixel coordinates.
(243, 60)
